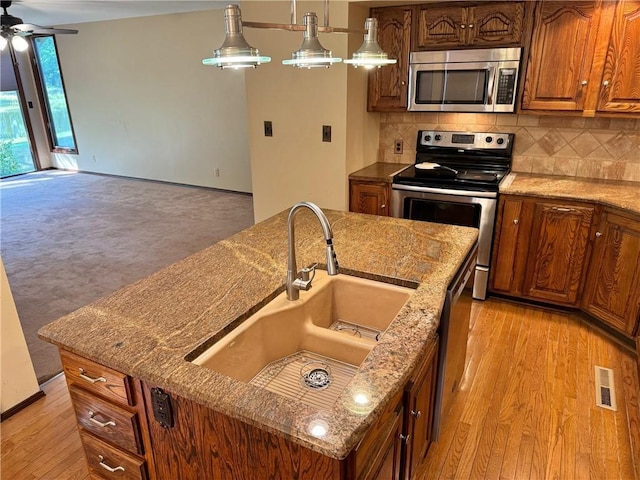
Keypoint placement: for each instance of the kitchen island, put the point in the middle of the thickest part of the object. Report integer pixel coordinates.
(148, 329)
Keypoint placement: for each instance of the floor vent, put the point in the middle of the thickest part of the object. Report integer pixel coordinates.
(605, 390)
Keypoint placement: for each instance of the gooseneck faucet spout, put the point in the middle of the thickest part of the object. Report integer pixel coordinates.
(295, 284)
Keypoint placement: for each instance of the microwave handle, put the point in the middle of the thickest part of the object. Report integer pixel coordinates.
(492, 75)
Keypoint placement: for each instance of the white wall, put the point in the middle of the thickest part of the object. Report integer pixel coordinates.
(18, 380)
(295, 164)
(143, 105)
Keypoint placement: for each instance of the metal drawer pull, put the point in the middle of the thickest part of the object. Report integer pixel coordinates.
(605, 83)
(598, 234)
(416, 413)
(89, 379)
(383, 206)
(404, 438)
(108, 468)
(92, 418)
(516, 221)
(471, 25)
(563, 209)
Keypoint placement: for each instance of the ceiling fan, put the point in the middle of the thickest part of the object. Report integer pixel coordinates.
(13, 30)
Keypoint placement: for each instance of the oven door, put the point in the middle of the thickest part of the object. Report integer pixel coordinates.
(453, 207)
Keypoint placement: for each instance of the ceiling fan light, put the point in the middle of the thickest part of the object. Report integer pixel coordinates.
(370, 55)
(3, 43)
(19, 44)
(235, 51)
(311, 53)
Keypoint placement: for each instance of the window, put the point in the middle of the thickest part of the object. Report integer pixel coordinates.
(54, 99)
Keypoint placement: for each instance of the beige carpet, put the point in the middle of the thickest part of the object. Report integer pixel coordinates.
(68, 239)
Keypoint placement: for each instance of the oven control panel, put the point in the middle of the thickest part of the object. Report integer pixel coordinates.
(465, 140)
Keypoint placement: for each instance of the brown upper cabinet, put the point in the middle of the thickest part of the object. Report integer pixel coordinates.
(584, 57)
(454, 26)
(388, 85)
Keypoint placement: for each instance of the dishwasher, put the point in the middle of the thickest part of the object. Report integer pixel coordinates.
(454, 333)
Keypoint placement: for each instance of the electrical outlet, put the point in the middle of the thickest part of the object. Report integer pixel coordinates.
(216, 172)
(397, 146)
(268, 128)
(326, 133)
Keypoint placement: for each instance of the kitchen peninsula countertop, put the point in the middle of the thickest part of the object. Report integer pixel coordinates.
(148, 328)
(613, 193)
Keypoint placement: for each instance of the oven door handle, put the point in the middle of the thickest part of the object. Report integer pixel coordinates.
(492, 78)
(445, 191)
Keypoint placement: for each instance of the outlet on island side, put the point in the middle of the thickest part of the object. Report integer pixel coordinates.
(397, 146)
(326, 133)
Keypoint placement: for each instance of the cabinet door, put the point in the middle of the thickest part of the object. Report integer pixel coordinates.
(620, 86)
(390, 467)
(559, 241)
(388, 87)
(419, 414)
(510, 245)
(495, 24)
(369, 197)
(561, 55)
(612, 291)
(441, 27)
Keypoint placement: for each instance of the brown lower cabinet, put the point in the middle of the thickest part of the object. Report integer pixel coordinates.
(373, 198)
(571, 254)
(123, 440)
(111, 419)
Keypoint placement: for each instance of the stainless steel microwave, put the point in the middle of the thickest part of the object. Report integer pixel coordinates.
(482, 80)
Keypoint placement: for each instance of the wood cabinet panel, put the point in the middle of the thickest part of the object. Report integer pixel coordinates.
(370, 197)
(495, 24)
(558, 251)
(561, 55)
(620, 90)
(96, 378)
(510, 246)
(419, 412)
(440, 27)
(107, 421)
(390, 466)
(482, 24)
(205, 444)
(388, 88)
(110, 463)
(612, 290)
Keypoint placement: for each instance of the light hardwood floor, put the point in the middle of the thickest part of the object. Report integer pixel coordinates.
(526, 409)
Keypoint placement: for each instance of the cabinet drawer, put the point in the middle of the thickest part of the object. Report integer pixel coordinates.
(107, 421)
(96, 378)
(111, 463)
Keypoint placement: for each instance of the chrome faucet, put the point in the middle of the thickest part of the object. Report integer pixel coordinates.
(295, 284)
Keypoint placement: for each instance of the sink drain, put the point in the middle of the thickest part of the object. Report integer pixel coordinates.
(316, 376)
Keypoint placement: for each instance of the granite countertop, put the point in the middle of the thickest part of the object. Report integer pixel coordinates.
(378, 172)
(613, 193)
(148, 328)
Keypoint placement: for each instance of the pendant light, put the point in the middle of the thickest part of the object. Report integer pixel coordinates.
(370, 55)
(235, 52)
(311, 53)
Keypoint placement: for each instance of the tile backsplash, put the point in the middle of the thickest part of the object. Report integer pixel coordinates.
(606, 148)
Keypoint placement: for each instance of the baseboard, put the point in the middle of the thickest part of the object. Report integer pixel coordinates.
(22, 405)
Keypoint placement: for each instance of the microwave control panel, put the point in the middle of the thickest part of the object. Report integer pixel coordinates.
(506, 86)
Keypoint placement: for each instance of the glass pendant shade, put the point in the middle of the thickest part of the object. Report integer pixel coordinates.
(311, 53)
(19, 44)
(3, 43)
(235, 52)
(370, 55)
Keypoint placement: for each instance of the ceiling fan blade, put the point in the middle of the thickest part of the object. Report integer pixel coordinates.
(30, 28)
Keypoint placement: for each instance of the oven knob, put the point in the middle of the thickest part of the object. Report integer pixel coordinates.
(438, 138)
(427, 138)
(488, 139)
(500, 141)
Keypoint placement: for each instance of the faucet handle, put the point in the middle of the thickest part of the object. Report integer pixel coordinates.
(304, 282)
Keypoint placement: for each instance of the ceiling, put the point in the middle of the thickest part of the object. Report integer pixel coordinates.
(49, 13)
